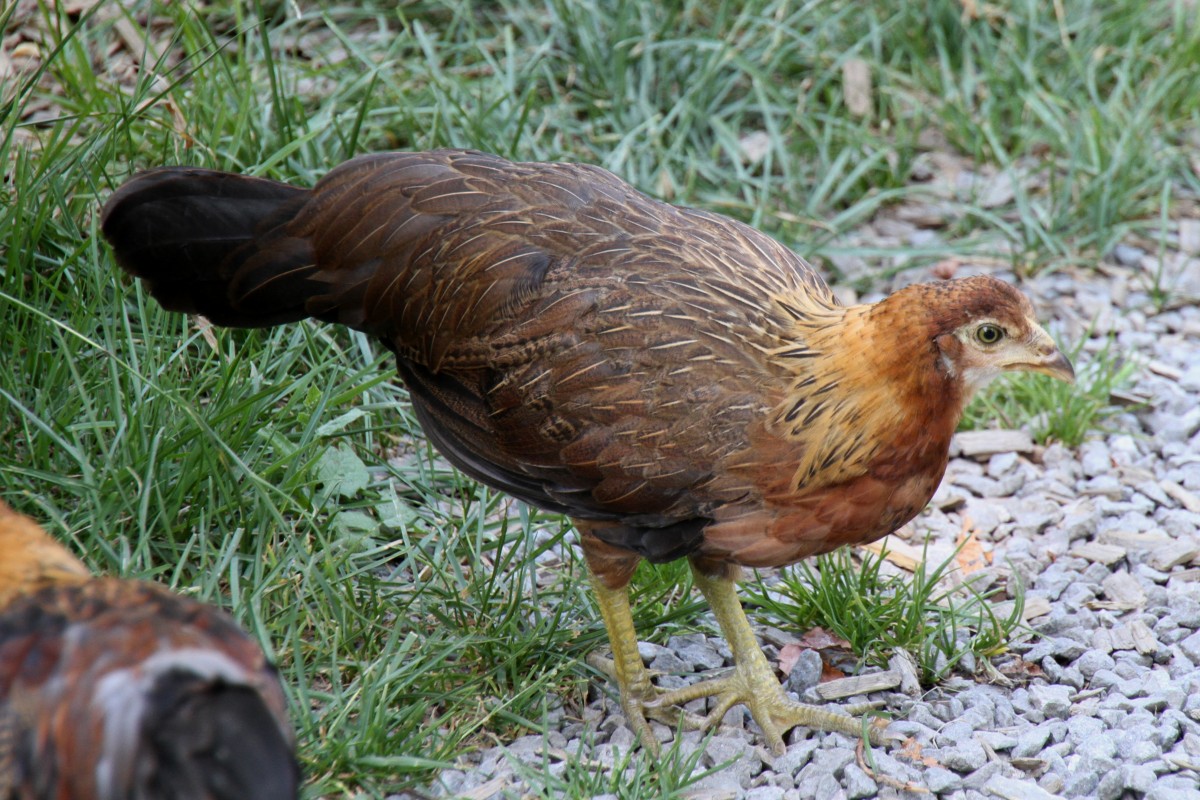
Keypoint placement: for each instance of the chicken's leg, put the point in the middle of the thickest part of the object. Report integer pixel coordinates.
(638, 694)
(752, 681)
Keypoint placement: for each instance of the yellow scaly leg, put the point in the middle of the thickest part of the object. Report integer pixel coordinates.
(753, 682)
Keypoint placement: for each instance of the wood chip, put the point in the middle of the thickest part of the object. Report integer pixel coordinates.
(1132, 636)
(984, 444)
(1124, 399)
(1035, 606)
(1100, 553)
(25, 51)
(1164, 370)
(1123, 592)
(1027, 765)
(903, 664)
(1168, 556)
(1144, 640)
(901, 553)
(1183, 761)
(1181, 495)
(859, 684)
(1186, 575)
(856, 83)
(1132, 540)
(485, 790)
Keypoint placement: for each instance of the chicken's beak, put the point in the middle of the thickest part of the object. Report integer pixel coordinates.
(1041, 354)
(1055, 365)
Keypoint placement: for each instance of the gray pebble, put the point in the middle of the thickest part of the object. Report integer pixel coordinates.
(1099, 746)
(1092, 661)
(857, 783)
(1191, 647)
(832, 760)
(806, 673)
(718, 784)
(1168, 789)
(649, 651)
(701, 656)
(666, 661)
(967, 755)
(796, 756)
(818, 781)
(1081, 783)
(1127, 255)
(1052, 701)
(1031, 742)
(939, 780)
(980, 777)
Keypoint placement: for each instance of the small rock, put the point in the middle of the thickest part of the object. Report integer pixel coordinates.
(1013, 789)
(797, 755)
(666, 661)
(939, 780)
(1191, 647)
(1098, 746)
(649, 651)
(806, 673)
(833, 760)
(980, 777)
(1112, 785)
(1081, 782)
(966, 756)
(1053, 701)
(857, 783)
(1127, 255)
(1092, 661)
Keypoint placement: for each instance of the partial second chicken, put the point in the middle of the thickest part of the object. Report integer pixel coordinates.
(113, 688)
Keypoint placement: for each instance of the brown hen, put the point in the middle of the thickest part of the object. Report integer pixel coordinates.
(121, 689)
(678, 383)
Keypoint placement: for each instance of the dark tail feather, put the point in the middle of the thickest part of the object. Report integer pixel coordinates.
(215, 742)
(199, 238)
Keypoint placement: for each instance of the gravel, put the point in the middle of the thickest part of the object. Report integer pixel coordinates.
(1100, 700)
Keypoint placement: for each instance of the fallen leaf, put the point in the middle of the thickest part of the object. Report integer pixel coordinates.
(821, 639)
(912, 751)
(789, 654)
(970, 555)
(830, 673)
(1018, 669)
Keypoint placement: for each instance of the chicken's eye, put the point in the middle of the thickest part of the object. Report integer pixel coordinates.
(988, 333)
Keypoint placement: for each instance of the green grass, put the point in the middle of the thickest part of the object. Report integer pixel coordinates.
(406, 605)
(937, 623)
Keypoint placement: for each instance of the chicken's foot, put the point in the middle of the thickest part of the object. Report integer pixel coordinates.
(638, 695)
(753, 682)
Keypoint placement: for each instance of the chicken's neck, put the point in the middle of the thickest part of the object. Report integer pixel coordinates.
(870, 393)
